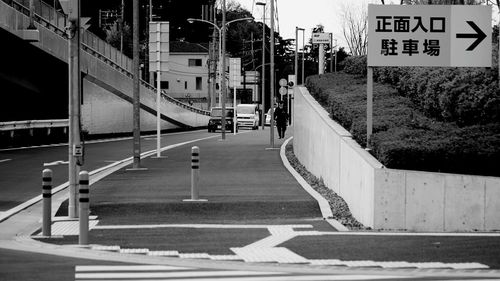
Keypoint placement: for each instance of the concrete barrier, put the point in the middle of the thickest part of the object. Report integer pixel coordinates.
(389, 198)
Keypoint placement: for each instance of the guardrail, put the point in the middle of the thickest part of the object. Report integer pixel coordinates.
(96, 47)
(32, 124)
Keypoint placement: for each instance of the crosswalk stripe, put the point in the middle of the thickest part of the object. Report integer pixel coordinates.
(90, 268)
(129, 275)
(175, 273)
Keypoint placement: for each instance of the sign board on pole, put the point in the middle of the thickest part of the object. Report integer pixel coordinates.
(283, 82)
(282, 91)
(234, 72)
(159, 42)
(321, 38)
(429, 35)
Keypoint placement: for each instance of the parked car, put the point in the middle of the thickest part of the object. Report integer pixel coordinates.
(248, 115)
(215, 121)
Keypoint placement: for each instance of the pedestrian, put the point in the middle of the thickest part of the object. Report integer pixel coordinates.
(281, 118)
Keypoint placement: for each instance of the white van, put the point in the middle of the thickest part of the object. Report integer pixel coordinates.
(248, 115)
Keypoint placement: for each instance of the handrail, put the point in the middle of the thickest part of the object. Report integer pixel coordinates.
(96, 53)
(30, 124)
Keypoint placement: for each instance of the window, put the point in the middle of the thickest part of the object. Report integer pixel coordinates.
(198, 83)
(164, 85)
(194, 62)
(185, 85)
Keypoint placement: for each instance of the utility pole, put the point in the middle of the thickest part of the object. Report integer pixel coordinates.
(121, 25)
(263, 95)
(223, 70)
(74, 142)
(136, 93)
(272, 76)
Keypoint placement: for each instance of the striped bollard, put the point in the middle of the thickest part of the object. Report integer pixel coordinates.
(47, 202)
(195, 172)
(195, 175)
(83, 238)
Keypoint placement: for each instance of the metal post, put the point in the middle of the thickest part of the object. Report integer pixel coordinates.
(335, 55)
(263, 93)
(235, 117)
(296, 52)
(273, 98)
(74, 104)
(121, 26)
(369, 106)
(331, 52)
(303, 54)
(83, 238)
(195, 172)
(321, 59)
(220, 67)
(47, 202)
(136, 89)
(223, 70)
(158, 91)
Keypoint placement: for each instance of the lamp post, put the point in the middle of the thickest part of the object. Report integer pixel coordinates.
(303, 53)
(262, 94)
(221, 67)
(296, 52)
(272, 75)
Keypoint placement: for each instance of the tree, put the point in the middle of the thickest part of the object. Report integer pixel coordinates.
(355, 28)
(113, 37)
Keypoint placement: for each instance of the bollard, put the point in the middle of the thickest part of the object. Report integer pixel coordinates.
(195, 172)
(84, 200)
(47, 202)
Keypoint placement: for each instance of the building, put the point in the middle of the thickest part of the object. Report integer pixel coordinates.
(187, 77)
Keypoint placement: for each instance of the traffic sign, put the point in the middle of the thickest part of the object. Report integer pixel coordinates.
(283, 91)
(429, 35)
(283, 82)
(321, 38)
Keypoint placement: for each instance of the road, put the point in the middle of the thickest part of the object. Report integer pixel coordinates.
(21, 169)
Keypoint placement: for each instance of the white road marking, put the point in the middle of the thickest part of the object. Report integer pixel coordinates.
(96, 175)
(4, 160)
(55, 163)
(146, 273)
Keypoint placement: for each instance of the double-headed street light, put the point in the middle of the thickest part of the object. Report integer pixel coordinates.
(221, 59)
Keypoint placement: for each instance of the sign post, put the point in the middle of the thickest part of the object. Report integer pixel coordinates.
(426, 35)
(321, 39)
(158, 57)
(234, 81)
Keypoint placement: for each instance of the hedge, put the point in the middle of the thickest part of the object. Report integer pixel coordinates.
(404, 137)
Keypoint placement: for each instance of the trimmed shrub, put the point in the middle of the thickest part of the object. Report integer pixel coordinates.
(403, 137)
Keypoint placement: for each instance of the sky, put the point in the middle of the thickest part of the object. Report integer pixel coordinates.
(307, 14)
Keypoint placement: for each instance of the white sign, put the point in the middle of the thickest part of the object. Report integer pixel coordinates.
(234, 72)
(291, 80)
(321, 38)
(159, 48)
(283, 82)
(282, 91)
(429, 35)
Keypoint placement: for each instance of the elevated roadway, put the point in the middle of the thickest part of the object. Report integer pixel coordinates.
(106, 73)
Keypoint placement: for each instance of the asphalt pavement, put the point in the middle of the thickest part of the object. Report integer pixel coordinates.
(253, 212)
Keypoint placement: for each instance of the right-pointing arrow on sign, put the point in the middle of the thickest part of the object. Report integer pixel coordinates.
(479, 35)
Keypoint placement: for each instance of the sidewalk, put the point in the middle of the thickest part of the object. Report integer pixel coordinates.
(256, 212)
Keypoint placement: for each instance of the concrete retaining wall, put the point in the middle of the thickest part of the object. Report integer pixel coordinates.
(387, 198)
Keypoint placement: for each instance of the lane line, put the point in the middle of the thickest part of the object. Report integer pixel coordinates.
(4, 160)
(96, 141)
(96, 175)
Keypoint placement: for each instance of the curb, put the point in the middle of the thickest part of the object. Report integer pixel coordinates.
(324, 206)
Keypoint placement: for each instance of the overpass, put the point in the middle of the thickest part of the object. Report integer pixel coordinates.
(35, 76)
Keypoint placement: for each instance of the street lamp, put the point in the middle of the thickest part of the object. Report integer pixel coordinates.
(221, 59)
(263, 96)
(191, 20)
(296, 52)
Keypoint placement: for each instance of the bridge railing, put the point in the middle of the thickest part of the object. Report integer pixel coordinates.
(33, 124)
(57, 22)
